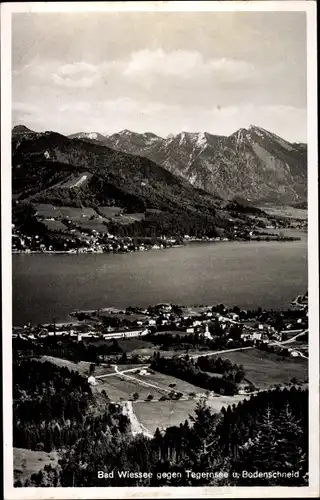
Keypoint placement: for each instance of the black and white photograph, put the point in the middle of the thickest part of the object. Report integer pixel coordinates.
(159, 249)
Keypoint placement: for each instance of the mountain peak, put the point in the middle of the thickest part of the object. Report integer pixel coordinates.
(94, 136)
(126, 132)
(21, 129)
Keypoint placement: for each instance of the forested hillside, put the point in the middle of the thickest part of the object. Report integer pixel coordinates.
(265, 433)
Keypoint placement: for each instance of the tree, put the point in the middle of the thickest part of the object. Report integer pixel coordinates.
(124, 358)
(150, 397)
(277, 446)
(292, 445)
(135, 396)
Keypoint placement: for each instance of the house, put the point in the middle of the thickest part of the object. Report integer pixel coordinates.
(190, 329)
(256, 336)
(234, 316)
(246, 336)
(92, 380)
(164, 307)
(197, 323)
(294, 354)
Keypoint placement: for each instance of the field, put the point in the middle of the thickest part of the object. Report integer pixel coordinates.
(54, 225)
(125, 219)
(123, 386)
(166, 413)
(120, 387)
(47, 210)
(83, 367)
(164, 381)
(93, 225)
(77, 213)
(27, 462)
(109, 212)
(265, 369)
(286, 211)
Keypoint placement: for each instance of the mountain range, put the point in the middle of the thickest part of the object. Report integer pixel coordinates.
(199, 184)
(49, 168)
(252, 163)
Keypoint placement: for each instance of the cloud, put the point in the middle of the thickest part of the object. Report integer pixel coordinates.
(78, 107)
(111, 115)
(186, 65)
(79, 74)
(154, 90)
(23, 107)
(144, 68)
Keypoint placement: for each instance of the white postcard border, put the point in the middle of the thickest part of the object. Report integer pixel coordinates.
(165, 492)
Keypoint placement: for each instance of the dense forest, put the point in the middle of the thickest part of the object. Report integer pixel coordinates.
(176, 223)
(189, 370)
(266, 433)
(196, 340)
(51, 407)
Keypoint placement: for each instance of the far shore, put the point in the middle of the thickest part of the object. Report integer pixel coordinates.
(266, 239)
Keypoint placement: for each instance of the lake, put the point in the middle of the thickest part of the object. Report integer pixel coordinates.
(247, 274)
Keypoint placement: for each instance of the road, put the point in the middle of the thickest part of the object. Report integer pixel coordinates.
(143, 382)
(292, 338)
(284, 342)
(116, 371)
(136, 426)
(195, 356)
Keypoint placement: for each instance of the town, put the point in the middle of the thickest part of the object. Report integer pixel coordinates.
(179, 328)
(49, 229)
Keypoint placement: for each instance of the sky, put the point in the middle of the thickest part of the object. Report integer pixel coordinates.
(160, 72)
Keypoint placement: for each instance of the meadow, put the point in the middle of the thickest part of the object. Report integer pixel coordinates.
(266, 369)
(167, 413)
(27, 462)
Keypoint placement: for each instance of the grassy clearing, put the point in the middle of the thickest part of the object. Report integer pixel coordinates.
(27, 462)
(287, 211)
(265, 369)
(93, 225)
(54, 225)
(83, 367)
(47, 210)
(125, 219)
(165, 381)
(118, 387)
(167, 413)
(109, 212)
(77, 213)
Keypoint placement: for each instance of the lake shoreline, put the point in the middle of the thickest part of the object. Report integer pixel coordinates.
(266, 239)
